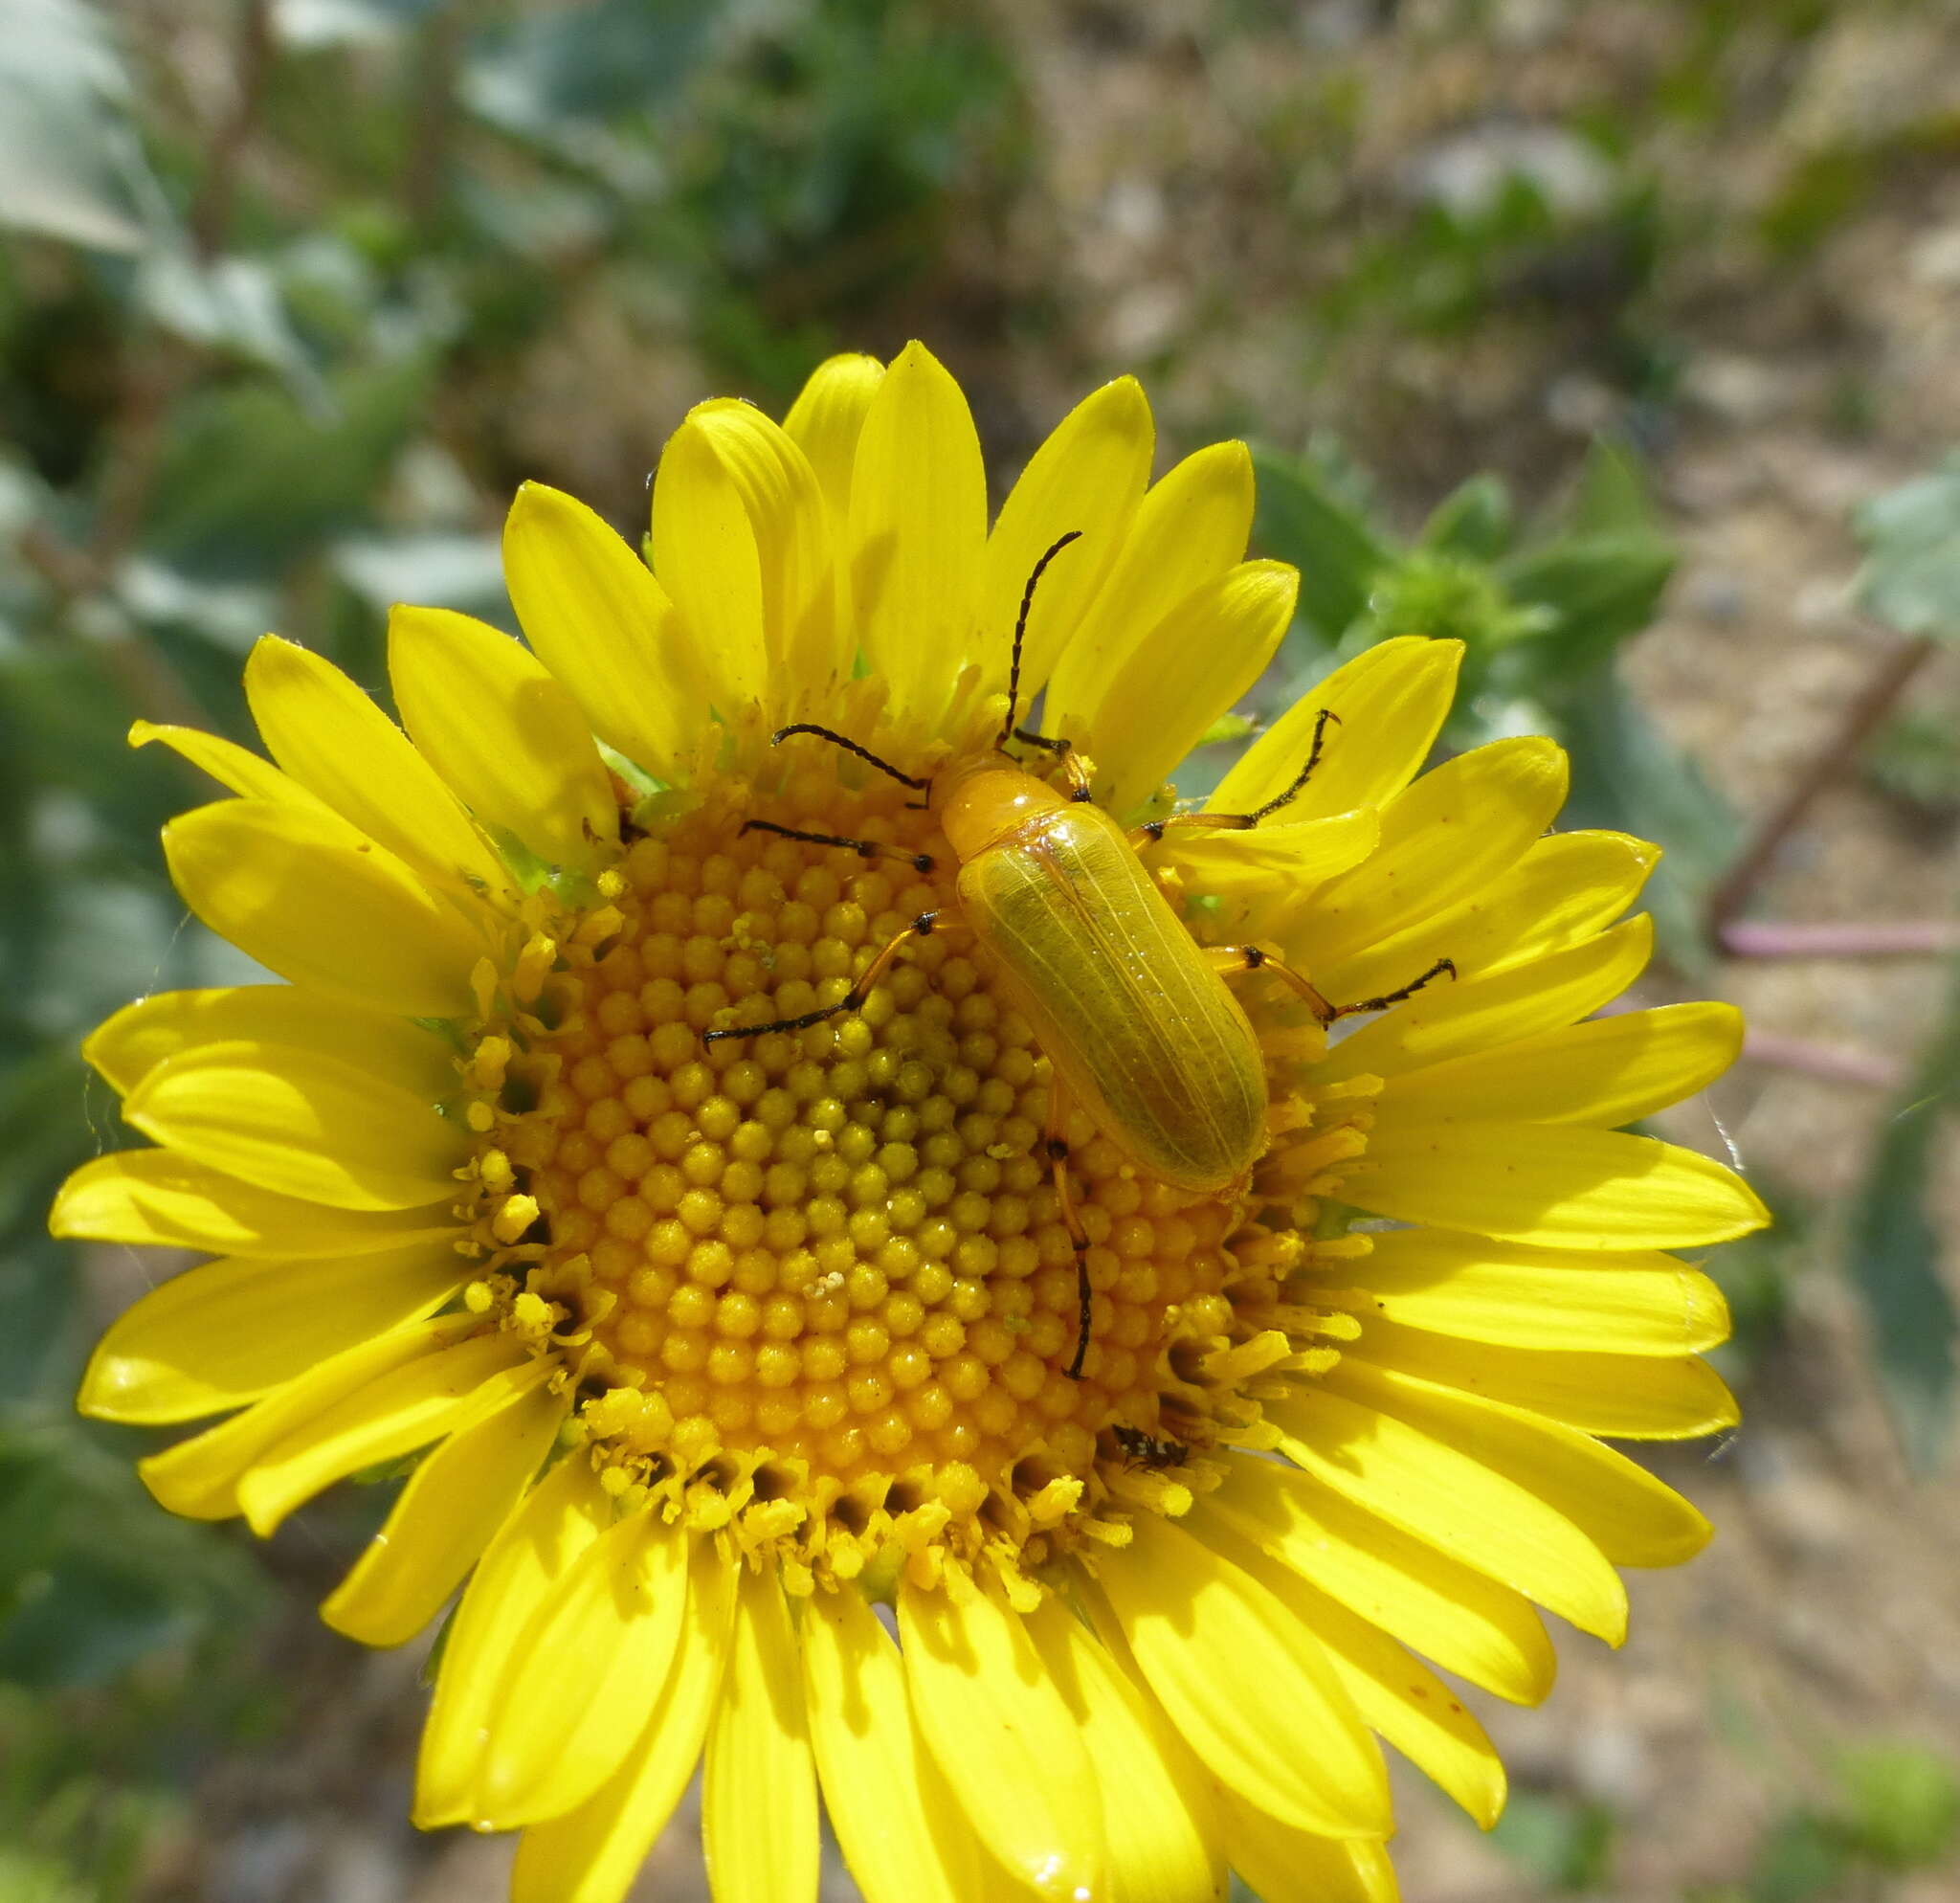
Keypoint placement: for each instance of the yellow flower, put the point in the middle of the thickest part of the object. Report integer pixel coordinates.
(714, 1348)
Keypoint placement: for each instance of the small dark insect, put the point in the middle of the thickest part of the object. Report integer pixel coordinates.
(1147, 1450)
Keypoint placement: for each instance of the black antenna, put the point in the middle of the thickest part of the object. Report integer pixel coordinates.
(1014, 679)
(782, 733)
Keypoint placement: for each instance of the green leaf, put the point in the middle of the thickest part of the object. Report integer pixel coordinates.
(1567, 1845)
(596, 60)
(318, 23)
(1451, 597)
(68, 150)
(1916, 758)
(1302, 520)
(1612, 497)
(1911, 575)
(1901, 1803)
(231, 305)
(1227, 727)
(1626, 775)
(434, 568)
(1894, 1254)
(1602, 586)
(254, 479)
(1801, 1861)
(1476, 519)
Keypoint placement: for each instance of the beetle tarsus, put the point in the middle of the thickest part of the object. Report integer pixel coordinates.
(1313, 759)
(1228, 959)
(1083, 1303)
(1056, 1146)
(862, 987)
(802, 1023)
(1443, 967)
(1241, 822)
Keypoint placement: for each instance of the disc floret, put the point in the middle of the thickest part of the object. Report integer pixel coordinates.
(824, 1271)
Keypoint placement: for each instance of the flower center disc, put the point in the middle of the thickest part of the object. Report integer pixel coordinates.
(828, 1262)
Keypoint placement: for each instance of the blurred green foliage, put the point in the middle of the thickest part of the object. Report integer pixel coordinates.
(1541, 610)
(1890, 1809)
(292, 296)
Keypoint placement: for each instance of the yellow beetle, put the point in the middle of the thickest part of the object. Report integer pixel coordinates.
(1132, 1012)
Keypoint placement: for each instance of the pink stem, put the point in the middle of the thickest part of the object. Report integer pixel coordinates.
(1775, 938)
(1836, 1063)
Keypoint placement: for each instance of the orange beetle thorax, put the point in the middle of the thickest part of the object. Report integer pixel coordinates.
(989, 803)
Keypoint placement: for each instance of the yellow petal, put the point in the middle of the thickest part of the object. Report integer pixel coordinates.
(585, 1673)
(200, 1477)
(1464, 1621)
(707, 558)
(524, 1565)
(1471, 1014)
(507, 738)
(288, 888)
(759, 1749)
(232, 766)
(1167, 691)
(1390, 701)
(1555, 1185)
(301, 1124)
(603, 625)
(1270, 860)
(222, 1334)
(1626, 1397)
(1607, 1072)
(443, 1519)
(917, 534)
(1159, 1853)
(826, 421)
(592, 1854)
(1434, 1490)
(1244, 1681)
(903, 1836)
(1564, 889)
(127, 1046)
(1450, 832)
(1628, 1515)
(1408, 1706)
(1512, 1296)
(153, 1196)
(393, 1415)
(331, 738)
(1004, 1738)
(1088, 477)
(1282, 1865)
(1188, 529)
(788, 535)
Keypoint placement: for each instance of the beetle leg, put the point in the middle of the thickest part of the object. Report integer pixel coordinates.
(919, 861)
(1056, 1146)
(1239, 822)
(862, 987)
(1227, 959)
(1080, 774)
